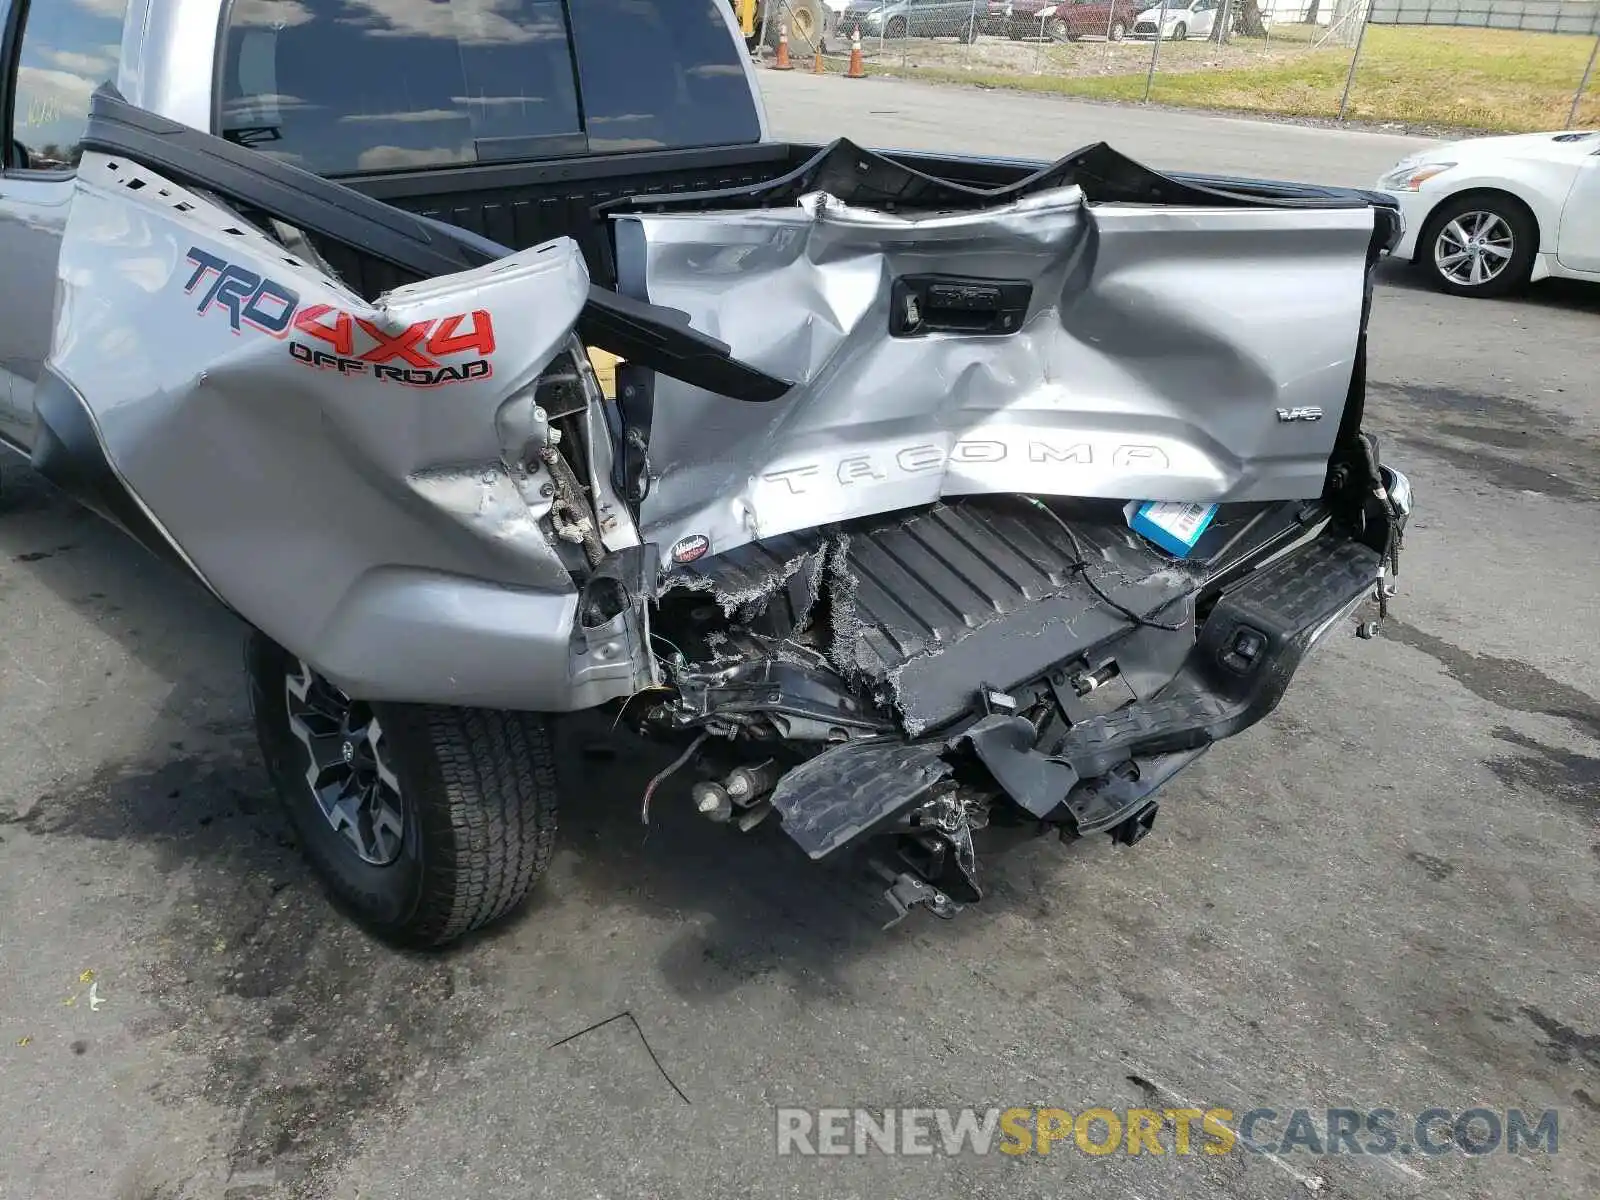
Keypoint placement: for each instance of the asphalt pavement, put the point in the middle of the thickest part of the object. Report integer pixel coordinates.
(1384, 896)
(882, 113)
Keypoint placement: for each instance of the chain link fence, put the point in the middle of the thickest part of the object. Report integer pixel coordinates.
(1490, 64)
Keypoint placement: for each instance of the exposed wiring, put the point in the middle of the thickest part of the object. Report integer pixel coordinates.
(649, 687)
(662, 776)
(1389, 564)
(656, 637)
(1082, 567)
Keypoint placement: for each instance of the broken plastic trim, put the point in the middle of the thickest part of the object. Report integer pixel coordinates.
(648, 335)
(643, 333)
(1103, 771)
(856, 176)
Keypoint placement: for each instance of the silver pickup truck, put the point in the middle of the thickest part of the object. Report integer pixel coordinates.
(923, 500)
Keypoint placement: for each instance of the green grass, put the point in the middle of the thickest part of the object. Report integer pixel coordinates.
(1485, 79)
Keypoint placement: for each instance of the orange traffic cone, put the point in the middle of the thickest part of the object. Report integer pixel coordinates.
(816, 64)
(858, 69)
(783, 63)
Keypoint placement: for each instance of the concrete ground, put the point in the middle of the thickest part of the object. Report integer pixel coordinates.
(1382, 897)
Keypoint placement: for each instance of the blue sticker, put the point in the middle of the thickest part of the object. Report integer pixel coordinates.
(1174, 527)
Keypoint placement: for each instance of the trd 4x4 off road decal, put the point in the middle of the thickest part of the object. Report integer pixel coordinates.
(246, 297)
(329, 338)
(412, 356)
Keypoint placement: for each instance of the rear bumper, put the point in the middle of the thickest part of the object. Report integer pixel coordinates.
(1087, 773)
(1248, 650)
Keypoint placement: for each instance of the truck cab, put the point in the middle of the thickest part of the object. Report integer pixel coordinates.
(439, 107)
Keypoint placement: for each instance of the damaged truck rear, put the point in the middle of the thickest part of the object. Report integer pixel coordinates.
(925, 502)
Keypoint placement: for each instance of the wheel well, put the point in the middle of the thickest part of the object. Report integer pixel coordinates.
(1425, 233)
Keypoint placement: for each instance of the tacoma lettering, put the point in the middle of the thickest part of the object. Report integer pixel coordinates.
(916, 460)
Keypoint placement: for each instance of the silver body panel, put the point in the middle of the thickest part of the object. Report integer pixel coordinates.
(33, 216)
(1159, 347)
(377, 529)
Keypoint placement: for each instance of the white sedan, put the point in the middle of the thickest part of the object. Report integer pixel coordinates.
(1184, 19)
(1487, 215)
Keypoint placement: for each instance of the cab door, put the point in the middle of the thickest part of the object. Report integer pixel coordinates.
(62, 51)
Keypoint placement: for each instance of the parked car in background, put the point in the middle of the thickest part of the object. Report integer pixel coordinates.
(1064, 21)
(1486, 216)
(1183, 19)
(912, 18)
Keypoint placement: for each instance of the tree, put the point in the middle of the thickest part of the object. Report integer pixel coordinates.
(1244, 16)
(1251, 23)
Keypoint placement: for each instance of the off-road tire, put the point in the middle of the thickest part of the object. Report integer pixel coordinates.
(478, 788)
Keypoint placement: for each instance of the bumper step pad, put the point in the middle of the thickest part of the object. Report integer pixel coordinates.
(1099, 775)
(1248, 650)
(848, 791)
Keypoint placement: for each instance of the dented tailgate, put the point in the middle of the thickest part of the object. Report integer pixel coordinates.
(1160, 352)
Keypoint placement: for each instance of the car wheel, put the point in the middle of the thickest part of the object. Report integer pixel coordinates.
(423, 822)
(1180, 32)
(1479, 245)
(1057, 31)
(1118, 31)
(896, 28)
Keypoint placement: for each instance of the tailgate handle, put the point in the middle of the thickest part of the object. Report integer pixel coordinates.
(923, 304)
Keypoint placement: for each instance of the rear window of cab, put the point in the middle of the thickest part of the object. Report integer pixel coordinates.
(344, 87)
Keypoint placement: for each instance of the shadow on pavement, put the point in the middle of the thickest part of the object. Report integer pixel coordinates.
(1568, 295)
(255, 994)
(760, 906)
